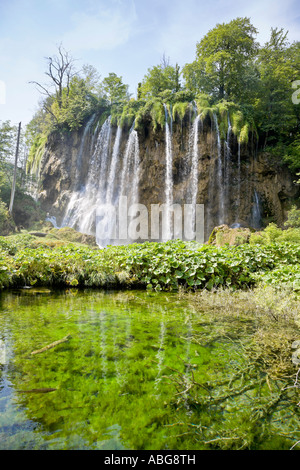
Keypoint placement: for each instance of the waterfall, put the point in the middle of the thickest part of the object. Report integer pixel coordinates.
(227, 157)
(96, 187)
(239, 181)
(194, 167)
(220, 186)
(130, 167)
(169, 175)
(113, 166)
(81, 149)
(80, 212)
(107, 196)
(256, 212)
(136, 167)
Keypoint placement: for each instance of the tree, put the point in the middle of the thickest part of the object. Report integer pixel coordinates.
(159, 79)
(114, 90)
(69, 96)
(7, 136)
(77, 103)
(279, 65)
(60, 70)
(224, 64)
(13, 188)
(91, 78)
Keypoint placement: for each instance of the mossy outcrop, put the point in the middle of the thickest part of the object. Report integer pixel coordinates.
(223, 235)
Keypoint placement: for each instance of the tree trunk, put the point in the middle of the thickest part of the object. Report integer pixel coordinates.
(12, 195)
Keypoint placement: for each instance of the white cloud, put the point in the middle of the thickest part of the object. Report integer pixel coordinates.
(105, 28)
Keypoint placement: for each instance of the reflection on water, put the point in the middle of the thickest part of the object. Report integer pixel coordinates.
(111, 380)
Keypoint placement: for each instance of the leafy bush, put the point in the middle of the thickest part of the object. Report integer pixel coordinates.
(293, 220)
(6, 223)
(272, 233)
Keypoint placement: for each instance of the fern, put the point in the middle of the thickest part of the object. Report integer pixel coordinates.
(180, 109)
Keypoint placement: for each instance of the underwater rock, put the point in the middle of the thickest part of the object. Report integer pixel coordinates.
(296, 354)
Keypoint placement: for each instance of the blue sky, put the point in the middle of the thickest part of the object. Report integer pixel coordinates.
(122, 36)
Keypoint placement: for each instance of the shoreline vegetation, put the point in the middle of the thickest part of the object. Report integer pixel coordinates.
(253, 285)
(236, 259)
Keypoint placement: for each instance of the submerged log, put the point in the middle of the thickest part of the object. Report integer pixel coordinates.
(38, 390)
(52, 345)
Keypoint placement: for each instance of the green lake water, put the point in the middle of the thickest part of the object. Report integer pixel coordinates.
(123, 379)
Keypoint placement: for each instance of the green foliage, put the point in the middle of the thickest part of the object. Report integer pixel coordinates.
(7, 224)
(7, 137)
(290, 154)
(153, 110)
(272, 233)
(293, 219)
(159, 79)
(129, 113)
(26, 211)
(275, 112)
(114, 90)
(224, 58)
(232, 76)
(153, 265)
(36, 153)
(180, 109)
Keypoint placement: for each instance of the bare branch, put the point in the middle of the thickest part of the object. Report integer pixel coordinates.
(60, 70)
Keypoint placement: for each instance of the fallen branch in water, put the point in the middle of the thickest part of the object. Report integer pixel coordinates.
(38, 390)
(52, 345)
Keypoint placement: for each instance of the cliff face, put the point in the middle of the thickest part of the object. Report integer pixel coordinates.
(236, 184)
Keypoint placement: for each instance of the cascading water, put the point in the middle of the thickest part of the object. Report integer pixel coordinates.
(256, 212)
(227, 166)
(219, 178)
(194, 167)
(101, 187)
(136, 168)
(239, 182)
(169, 176)
(81, 150)
(112, 170)
(80, 212)
(130, 169)
(72, 212)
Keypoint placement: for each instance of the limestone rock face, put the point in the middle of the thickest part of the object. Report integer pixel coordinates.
(252, 183)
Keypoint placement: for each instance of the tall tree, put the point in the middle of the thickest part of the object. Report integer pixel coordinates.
(7, 135)
(160, 78)
(13, 188)
(279, 65)
(224, 61)
(114, 90)
(60, 71)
